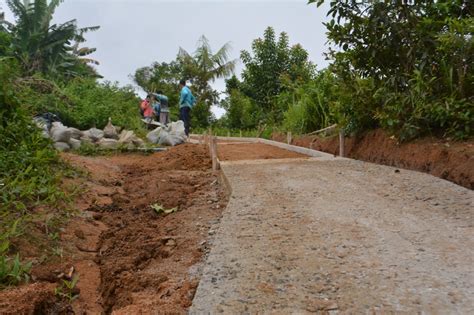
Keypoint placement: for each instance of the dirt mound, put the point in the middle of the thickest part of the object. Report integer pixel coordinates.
(453, 161)
(129, 258)
(253, 151)
(144, 257)
(36, 298)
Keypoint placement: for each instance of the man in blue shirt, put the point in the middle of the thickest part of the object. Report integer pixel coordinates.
(186, 103)
(164, 108)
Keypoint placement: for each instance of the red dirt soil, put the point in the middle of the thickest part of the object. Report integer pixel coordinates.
(130, 259)
(453, 161)
(253, 151)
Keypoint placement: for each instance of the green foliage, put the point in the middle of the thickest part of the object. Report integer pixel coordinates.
(41, 46)
(84, 103)
(241, 111)
(404, 66)
(28, 164)
(67, 289)
(264, 132)
(271, 64)
(310, 104)
(29, 173)
(12, 271)
(200, 68)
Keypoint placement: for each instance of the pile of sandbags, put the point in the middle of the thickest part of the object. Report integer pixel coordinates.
(66, 138)
(170, 135)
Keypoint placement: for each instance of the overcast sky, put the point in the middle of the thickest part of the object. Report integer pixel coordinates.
(134, 33)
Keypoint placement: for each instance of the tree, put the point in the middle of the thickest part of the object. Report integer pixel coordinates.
(272, 63)
(417, 57)
(202, 68)
(41, 46)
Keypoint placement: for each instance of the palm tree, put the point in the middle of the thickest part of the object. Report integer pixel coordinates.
(202, 68)
(40, 45)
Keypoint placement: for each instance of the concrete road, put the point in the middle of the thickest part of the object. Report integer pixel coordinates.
(327, 235)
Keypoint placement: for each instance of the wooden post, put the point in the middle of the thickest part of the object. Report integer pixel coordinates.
(241, 133)
(228, 133)
(341, 143)
(215, 164)
(288, 137)
(210, 140)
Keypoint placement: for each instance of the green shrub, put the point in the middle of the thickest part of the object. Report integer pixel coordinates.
(242, 112)
(309, 104)
(12, 270)
(30, 173)
(83, 103)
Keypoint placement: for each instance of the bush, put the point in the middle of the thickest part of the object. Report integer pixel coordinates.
(29, 173)
(242, 112)
(84, 103)
(309, 104)
(418, 111)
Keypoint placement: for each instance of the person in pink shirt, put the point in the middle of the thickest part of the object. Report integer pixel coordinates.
(147, 109)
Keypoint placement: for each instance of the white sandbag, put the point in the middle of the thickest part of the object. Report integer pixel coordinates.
(139, 143)
(129, 139)
(74, 143)
(108, 143)
(45, 134)
(177, 128)
(170, 139)
(174, 134)
(94, 134)
(75, 133)
(61, 146)
(110, 131)
(126, 136)
(170, 135)
(154, 135)
(41, 123)
(86, 139)
(60, 133)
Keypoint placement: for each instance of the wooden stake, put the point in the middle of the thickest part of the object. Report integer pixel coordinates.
(210, 140)
(288, 137)
(215, 164)
(341, 143)
(241, 133)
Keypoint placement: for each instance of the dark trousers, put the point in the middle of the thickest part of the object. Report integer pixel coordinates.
(185, 116)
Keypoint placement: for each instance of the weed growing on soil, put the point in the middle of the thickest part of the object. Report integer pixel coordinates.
(89, 149)
(159, 209)
(67, 289)
(12, 271)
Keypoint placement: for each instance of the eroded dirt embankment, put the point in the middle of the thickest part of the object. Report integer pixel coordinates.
(128, 258)
(453, 161)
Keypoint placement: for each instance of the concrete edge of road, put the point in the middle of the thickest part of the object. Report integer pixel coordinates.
(289, 147)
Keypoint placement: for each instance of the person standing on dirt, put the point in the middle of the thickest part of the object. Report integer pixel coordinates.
(164, 108)
(186, 103)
